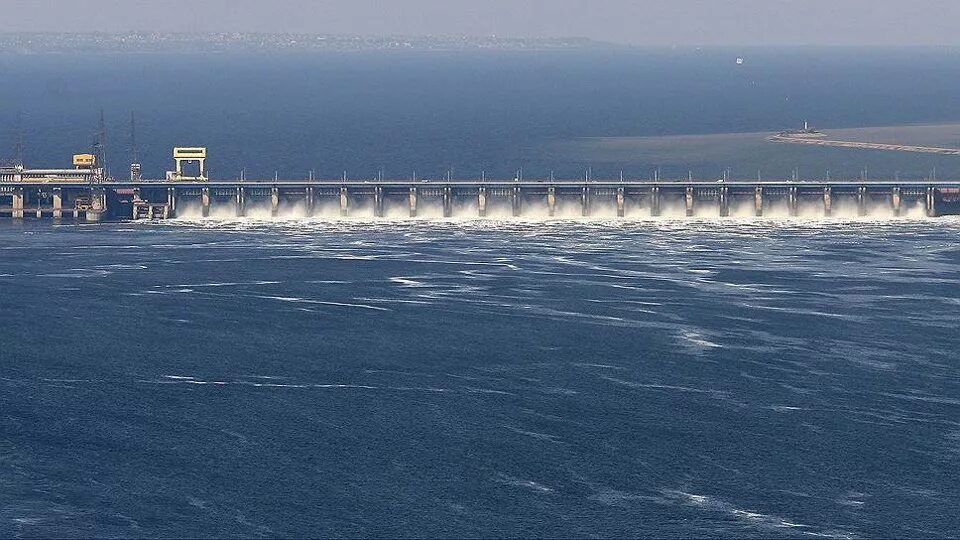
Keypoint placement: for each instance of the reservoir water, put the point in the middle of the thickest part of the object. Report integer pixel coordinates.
(493, 112)
(477, 378)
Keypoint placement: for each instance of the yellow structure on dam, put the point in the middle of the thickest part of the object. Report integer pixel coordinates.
(189, 154)
(84, 161)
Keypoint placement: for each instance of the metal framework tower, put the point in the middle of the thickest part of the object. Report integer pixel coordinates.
(100, 148)
(18, 157)
(134, 150)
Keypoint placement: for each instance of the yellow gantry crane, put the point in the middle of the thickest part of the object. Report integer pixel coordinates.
(189, 154)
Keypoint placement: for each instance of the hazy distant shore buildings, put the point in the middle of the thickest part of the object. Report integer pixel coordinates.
(140, 42)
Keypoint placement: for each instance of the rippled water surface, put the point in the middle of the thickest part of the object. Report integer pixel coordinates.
(670, 379)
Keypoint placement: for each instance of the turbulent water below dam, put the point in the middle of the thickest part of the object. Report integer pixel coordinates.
(668, 378)
(537, 211)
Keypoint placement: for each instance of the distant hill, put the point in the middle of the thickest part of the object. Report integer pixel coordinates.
(139, 42)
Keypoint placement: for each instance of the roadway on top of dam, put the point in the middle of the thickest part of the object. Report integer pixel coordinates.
(478, 183)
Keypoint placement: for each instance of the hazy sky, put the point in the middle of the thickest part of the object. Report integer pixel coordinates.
(659, 22)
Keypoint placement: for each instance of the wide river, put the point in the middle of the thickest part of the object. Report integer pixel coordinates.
(480, 378)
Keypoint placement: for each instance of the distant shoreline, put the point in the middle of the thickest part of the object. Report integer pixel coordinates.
(213, 43)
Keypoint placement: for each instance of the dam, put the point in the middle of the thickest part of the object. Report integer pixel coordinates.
(51, 198)
(85, 193)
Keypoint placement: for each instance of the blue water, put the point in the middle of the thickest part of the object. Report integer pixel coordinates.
(434, 378)
(472, 112)
(670, 379)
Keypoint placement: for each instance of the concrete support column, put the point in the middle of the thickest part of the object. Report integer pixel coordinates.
(621, 210)
(344, 201)
(930, 204)
(241, 202)
(311, 202)
(136, 200)
(896, 200)
(689, 201)
(172, 201)
(585, 201)
(794, 201)
(515, 201)
(378, 201)
(98, 205)
(862, 201)
(18, 203)
(758, 201)
(275, 201)
(724, 202)
(447, 202)
(551, 201)
(482, 202)
(205, 201)
(655, 201)
(57, 203)
(413, 202)
(827, 202)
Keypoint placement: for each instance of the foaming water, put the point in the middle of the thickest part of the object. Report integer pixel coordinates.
(741, 211)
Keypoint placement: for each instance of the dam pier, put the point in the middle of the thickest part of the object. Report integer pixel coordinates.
(85, 193)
